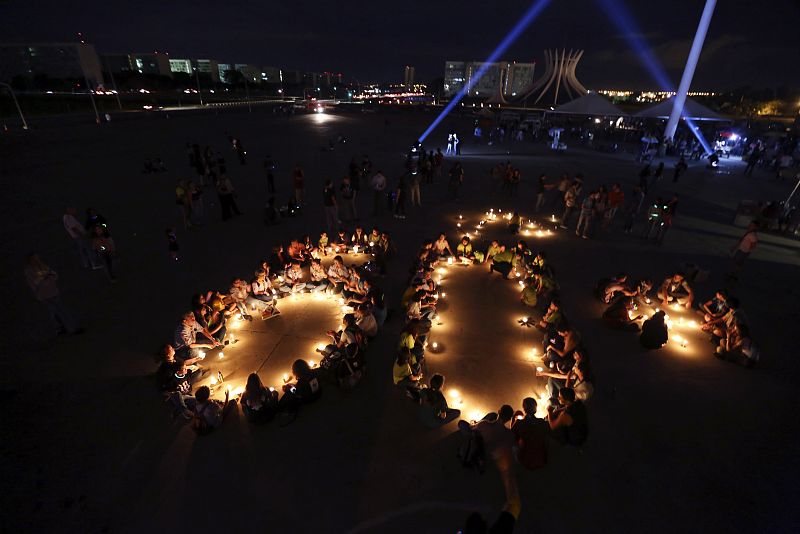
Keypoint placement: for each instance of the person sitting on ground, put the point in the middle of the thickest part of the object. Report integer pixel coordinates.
(277, 259)
(578, 377)
(502, 262)
(569, 425)
(338, 275)
(643, 288)
(498, 439)
(296, 251)
(546, 287)
(434, 411)
(738, 347)
(209, 413)
(341, 243)
(323, 244)
(676, 290)
(619, 315)
(366, 321)
(354, 288)
(551, 319)
(304, 388)
(293, 279)
(239, 295)
(654, 331)
(734, 317)
(515, 223)
(262, 295)
(441, 247)
(319, 280)
(562, 351)
(175, 381)
(714, 308)
(419, 309)
(404, 376)
(464, 251)
(374, 237)
(310, 249)
(187, 347)
(259, 404)
(211, 322)
(360, 239)
(493, 249)
(344, 343)
(412, 337)
(531, 436)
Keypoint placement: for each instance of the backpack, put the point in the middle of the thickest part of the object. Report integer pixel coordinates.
(199, 424)
(472, 451)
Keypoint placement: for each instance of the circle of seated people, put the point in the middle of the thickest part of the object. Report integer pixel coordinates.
(300, 268)
(559, 413)
(631, 307)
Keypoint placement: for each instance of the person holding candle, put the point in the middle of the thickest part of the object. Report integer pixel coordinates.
(738, 347)
(464, 251)
(338, 275)
(239, 294)
(212, 323)
(578, 377)
(619, 315)
(676, 290)
(186, 343)
(366, 321)
(493, 249)
(714, 308)
(404, 376)
(319, 280)
(441, 248)
(561, 351)
(551, 319)
(261, 297)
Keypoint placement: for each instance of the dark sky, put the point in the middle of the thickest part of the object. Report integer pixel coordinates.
(749, 43)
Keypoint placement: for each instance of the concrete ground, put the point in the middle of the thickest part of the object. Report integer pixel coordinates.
(678, 440)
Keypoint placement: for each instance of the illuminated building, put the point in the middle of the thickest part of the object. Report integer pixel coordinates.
(408, 76)
(503, 77)
(181, 65)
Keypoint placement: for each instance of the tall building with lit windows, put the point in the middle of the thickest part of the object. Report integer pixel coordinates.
(507, 78)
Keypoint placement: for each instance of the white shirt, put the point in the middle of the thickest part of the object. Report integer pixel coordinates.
(379, 182)
(73, 227)
(368, 325)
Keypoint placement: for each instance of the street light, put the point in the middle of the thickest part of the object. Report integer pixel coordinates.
(19, 109)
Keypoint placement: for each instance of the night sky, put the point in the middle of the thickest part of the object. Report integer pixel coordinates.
(749, 43)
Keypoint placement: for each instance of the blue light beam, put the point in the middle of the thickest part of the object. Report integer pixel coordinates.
(622, 18)
(521, 25)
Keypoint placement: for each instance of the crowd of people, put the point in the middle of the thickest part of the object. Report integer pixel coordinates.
(505, 434)
(720, 317)
(294, 269)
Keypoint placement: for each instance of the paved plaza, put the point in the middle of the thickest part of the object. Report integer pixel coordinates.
(679, 441)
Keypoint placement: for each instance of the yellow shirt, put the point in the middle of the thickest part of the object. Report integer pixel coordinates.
(399, 372)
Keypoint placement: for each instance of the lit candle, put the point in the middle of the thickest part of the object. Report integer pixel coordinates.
(524, 319)
(450, 260)
(534, 351)
(271, 388)
(221, 355)
(692, 324)
(454, 393)
(539, 369)
(458, 225)
(521, 283)
(285, 378)
(553, 218)
(444, 294)
(321, 346)
(460, 217)
(312, 363)
(213, 380)
(441, 270)
(435, 345)
(202, 355)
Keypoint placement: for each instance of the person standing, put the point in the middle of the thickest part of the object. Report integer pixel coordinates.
(747, 244)
(43, 283)
(680, 168)
(586, 214)
(571, 197)
(541, 187)
(413, 188)
(77, 233)
(298, 184)
(438, 161)
(400, 199)
(105, 249)
(378, 188)
(330, 206)
(225, 193)
(752, 159)
(456, 179)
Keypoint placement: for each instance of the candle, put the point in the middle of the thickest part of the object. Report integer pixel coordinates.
(450, 260)
(460, 217)
(520, 417)
(213, 380)
(534, 351)
(441, 270)
(221, 355)
(312, 363)
(458, 225)
(202, 355)
(435, 345)
(285, 378)
(444, 294)
(539, 369)
(524, 319)
(271, 388)
(454, 393)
